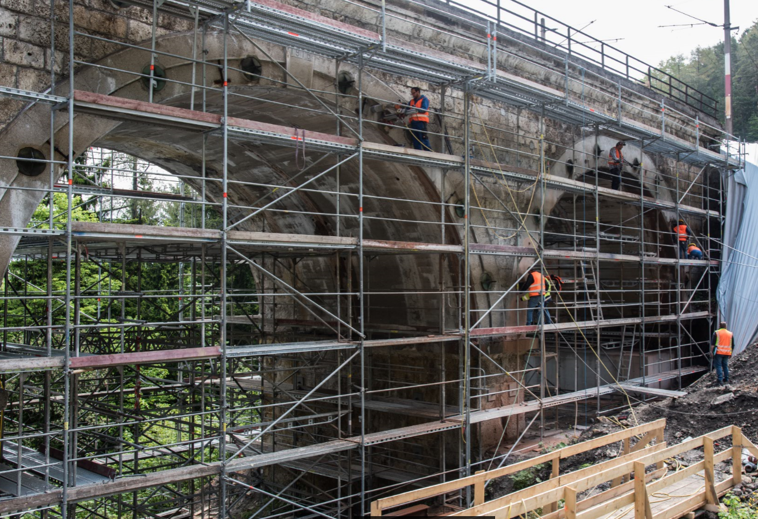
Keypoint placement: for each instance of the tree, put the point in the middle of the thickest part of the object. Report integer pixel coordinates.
(704, 70)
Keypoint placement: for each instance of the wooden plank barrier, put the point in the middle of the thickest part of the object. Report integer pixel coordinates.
(645, 433)
(634, 493)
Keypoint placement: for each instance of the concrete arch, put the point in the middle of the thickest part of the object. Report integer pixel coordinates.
(178, 151)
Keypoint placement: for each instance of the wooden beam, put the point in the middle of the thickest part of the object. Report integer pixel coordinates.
(570, 500)
(641, 499)
(710, 490)
(736, 456)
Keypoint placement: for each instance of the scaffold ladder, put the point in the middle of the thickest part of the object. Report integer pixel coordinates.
(589, 279)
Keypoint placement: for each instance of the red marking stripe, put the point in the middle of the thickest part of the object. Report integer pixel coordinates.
(293, 34)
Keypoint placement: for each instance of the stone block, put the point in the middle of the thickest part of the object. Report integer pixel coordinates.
(8, 23)
(61, 60)
(36, 31)
(138, 31)
(8, 75)
(100, 22)
(19, 6)
(24, 54)
(33, 79)
(9, 108)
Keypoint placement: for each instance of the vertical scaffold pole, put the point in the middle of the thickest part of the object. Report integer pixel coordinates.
(223, 275)
(542, 308)
(467, 281)
(361, 309)
(69, 236)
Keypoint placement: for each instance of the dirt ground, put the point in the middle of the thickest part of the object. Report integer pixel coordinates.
(706, 407)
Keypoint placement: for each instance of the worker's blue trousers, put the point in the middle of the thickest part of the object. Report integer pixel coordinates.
(419, 136)
(536, 302)
(721, 363)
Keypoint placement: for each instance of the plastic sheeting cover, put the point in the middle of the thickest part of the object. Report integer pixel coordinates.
(737, 292)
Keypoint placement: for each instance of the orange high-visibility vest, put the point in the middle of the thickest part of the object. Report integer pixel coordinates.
(537, 288)
(693, 247)
(724, 346)
(614, 160)
(419, 116)
(681, 230)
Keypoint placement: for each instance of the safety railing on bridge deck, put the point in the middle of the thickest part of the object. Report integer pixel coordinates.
(526, 20)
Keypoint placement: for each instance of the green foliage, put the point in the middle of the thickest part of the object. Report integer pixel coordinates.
(704, 70)
(738, 509)
(528, 477)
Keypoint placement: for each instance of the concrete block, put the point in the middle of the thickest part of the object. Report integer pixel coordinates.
(8, 23)
(24, 54)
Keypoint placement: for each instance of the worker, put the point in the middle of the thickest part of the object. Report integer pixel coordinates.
(722, 350)
(694, 252)
(615, 164)
(682, 232)
(418, 110)
(557, 281)
(535, 284)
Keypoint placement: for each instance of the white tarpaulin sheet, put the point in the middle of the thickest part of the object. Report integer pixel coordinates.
(738, 288)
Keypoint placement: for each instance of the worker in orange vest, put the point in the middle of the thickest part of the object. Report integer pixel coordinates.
(682, 232)
(418, 110)
(535, 286)
(694, 252)
(722, 350)
(616, 164)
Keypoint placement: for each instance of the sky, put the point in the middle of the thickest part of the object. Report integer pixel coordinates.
(637, 23)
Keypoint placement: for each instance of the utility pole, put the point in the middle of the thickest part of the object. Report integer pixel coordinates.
(727, 69)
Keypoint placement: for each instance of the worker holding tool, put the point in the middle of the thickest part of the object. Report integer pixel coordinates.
(682, 232)
(535, 284)
(616, 164)
(722, 350)
(694, 252)
(418, 110)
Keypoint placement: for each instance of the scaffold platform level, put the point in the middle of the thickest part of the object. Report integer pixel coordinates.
(75, 494)
(98, 234)
(9, 483)
(292, 27)
(571, 325)
(118, 107)
(12, 362)
(35, 462)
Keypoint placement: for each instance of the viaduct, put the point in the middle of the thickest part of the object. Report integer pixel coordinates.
(342, 318)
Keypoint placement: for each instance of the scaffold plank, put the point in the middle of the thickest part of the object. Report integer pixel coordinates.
(571, 325)
(652, 391)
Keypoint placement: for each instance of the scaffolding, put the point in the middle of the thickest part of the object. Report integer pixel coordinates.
(269, 373)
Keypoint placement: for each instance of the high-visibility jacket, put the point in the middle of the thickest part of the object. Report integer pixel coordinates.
(723, 342)
(681, 230)
(419, 116)
(537, 288)
(548, 288)
(615, 157)
(693, 247)
(556, 281)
